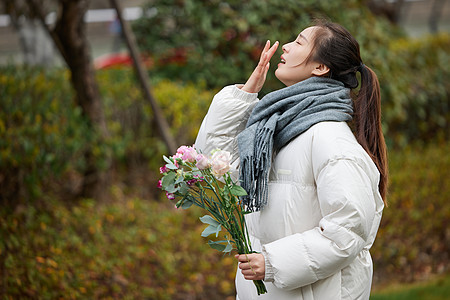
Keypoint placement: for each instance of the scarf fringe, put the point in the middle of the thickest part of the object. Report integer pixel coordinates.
(254, 172)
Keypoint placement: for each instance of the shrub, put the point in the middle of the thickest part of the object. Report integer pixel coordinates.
(43, 134)
(42, 131)
(130, 118)
(414, 239)
(416, 89)
(127, 248)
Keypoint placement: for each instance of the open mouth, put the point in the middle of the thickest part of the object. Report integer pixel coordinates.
(283, 61)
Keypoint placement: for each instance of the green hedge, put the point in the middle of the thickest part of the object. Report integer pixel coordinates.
(414, 241)
(415, 88)
(130, 118)
(43, 134)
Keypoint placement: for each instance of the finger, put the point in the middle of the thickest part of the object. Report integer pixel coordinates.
(263, 60)
(249, 273)
(268, 55)
(245, 257)
(244, 266)
(251, 269)
(272, 50)
(266, 47)
(264, 51)
(254, 277)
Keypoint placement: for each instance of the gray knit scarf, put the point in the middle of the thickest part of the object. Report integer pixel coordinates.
(279, 117)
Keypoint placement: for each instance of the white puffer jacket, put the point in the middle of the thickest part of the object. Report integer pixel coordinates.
(323, 211)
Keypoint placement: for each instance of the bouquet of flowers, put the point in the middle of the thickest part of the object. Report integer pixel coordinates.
(193, 178)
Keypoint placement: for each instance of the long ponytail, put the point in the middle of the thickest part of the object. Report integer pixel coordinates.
(367, 124)
(335, 47)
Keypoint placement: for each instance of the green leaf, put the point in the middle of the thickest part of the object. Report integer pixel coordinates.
(228, 248)
(211, 229)
(186, 203)
(179, 179)
(207, 219)
(238, 191)
(167, 160)
(224, 246)
(171, 188)
(183, 189)
(168, 180)
(169, 164)
(216, 245)
(219, 228)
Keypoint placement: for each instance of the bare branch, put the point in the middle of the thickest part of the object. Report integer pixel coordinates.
(161, 122)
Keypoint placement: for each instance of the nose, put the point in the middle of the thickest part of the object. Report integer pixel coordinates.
(285, 47)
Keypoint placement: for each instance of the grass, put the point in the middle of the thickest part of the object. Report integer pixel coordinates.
(435, 289)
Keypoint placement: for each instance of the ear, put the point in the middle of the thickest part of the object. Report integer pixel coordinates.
(320, 70)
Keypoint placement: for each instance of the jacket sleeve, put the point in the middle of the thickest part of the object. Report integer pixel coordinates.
(346, 199)
(226, 118)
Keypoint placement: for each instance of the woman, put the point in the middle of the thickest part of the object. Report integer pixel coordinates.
(316, 189)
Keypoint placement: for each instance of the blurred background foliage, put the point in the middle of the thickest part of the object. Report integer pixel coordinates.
(43, 133)
(219, 43)
(53, 245)
(188, 37)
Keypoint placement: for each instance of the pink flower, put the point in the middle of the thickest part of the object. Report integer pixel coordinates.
(189, 154)
(159, 184)
(202, 162)
(181, 150)
(199, 178)
(191, 182)
(163, 169)
(220, 162)
(170, 196)
(186, 153)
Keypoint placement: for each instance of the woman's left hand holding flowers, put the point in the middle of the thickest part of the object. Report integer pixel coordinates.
(253, 266)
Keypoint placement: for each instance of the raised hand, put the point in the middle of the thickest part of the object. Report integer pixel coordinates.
(256, 81)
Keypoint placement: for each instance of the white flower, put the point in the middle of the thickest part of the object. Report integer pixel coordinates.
(220, 162)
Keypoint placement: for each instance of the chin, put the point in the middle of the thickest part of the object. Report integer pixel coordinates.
(277, 75)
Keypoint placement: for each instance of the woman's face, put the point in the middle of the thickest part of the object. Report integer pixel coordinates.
(293, 68)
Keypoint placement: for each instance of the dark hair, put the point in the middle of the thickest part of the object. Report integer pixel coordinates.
(336, 48)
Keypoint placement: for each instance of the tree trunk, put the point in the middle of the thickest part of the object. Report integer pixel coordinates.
(130, 40)
(69, 35)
